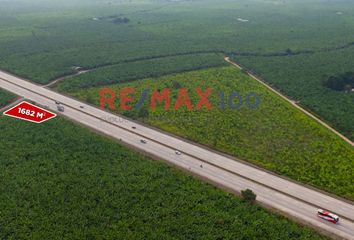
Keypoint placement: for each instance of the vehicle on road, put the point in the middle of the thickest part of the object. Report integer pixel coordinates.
(178, 152)
(81, 106)
(60, 108)
(143, 141)
(57, 102)
(133, 127)
(330, 217)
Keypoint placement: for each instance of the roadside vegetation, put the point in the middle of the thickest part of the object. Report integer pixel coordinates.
(60, 181)
(274, 135)
(248, 195)
(6, 98)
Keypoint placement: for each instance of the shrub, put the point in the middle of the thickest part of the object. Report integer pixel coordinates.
(248, 195)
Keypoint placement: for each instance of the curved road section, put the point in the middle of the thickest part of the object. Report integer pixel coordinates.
(292, 199)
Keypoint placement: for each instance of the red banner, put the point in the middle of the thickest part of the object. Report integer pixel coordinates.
(29, 112)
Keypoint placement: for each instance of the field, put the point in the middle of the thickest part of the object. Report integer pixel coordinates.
(304, 79)
(274, 38)
(274, 135)
(141, 69)
(6, 98)
(60, 181)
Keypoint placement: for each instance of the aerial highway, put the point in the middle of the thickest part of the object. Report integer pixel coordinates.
(290, 198)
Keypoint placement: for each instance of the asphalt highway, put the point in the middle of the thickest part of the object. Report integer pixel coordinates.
(289, 197)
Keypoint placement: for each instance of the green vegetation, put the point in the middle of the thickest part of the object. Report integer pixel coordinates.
(305, 77)
(344, 82)
(127, 40)
(60, 181)
(141, 69)
(293, 44)
(275, 135)
(248, 195)
(6, 98)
